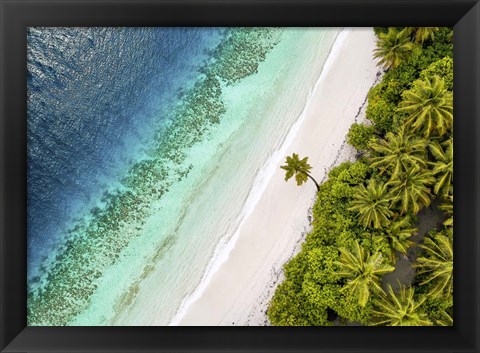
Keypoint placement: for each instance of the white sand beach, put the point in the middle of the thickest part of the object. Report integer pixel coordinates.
(239, 291)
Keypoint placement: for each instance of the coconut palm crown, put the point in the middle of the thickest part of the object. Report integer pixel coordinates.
(400, 309)
(398, 233)
(429, 107)
(362, 271)
(411, 189)
(443, 167)
(393, 48)
(372, 203)
(398, 152)
(437, 262)
(447, 207)
(421, 34)
(299, 168)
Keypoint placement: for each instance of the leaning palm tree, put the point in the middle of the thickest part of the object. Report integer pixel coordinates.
(443, 167)
(421, 34)
(437, 262)
(410, 189)
(398, 234)
(398, 152)
(399, 309)
(362, 271)
(372, 203)
(429, 107)
(299, 168)
(393, 48)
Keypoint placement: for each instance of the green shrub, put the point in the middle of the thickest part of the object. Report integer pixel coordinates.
(439, 310)
(335, 171)
(295, 269)
(347, 307)
(353, 173)
(287, 307)
(360, 135)
(381, 113)
(442, 68)
(321, 264)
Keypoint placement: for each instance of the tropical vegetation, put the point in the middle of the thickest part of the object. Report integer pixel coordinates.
(391, 209)
(372, 203)
(400, 308)
(363, 271)
(437, 262)
(393, 48)
(299, 168)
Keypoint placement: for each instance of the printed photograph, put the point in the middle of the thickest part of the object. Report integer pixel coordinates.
(240, 176)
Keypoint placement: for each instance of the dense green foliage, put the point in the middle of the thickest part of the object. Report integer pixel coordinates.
(428, 107)
(400, 309)
(372, 203)
(438, 262)
(360, 135)
(421, 34)
(393, 48)
(367, 212)
(362, 271)
(398, 153)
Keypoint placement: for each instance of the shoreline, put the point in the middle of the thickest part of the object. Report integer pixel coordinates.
(244, 279)
(345, 153)
(226, 245)
(228, 159)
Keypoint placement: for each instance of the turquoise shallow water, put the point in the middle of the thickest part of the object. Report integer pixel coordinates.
(146, 245)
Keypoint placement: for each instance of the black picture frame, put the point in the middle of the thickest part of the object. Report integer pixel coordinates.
(16, 16)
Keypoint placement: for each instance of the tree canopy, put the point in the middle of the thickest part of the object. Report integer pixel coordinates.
(368, 214)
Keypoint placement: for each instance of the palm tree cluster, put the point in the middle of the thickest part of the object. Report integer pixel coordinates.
(415, 177)
(411, 166)
(416, 161)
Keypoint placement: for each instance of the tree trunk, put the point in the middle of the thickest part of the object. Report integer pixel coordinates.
(316, 184)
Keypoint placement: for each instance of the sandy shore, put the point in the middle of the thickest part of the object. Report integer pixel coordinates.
(239, 292)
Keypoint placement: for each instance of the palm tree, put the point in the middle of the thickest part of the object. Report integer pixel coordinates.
(447, 207)
(429, 106)
(446, 319)
(410, 189)
(362, 271)
(393, 47)
(372, 203)
(298, 168)
(421, 34)
(398, 152)
(398, 234)
(443, 167)
(438, 262)
(400, 309)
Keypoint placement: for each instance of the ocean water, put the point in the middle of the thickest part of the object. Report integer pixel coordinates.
(143, 148)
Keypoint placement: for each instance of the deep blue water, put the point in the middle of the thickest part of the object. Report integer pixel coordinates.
(95, 97)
